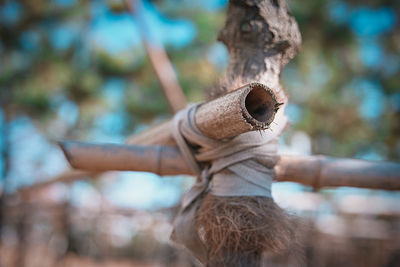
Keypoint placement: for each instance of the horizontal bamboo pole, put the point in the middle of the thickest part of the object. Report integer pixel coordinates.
(249, 108)
(316, 171)
(323, 171)
(162, 160)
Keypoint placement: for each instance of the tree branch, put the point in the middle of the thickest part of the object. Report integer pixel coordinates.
(261, 37)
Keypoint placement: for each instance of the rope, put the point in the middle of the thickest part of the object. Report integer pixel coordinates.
(240, 166)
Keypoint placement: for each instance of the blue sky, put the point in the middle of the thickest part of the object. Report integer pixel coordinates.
(117, 33)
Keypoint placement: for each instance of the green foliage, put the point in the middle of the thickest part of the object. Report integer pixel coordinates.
(325, 81)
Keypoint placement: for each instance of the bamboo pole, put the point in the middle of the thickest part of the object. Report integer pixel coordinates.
(315, 171)
(251, 107)
(162, 160)
(248, 108)
(323, 171)
(158, 134)
(159, 60)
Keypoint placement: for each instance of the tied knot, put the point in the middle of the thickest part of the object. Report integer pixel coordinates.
(238, 166)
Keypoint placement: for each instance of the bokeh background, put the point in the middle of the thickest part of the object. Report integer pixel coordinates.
(78, 70)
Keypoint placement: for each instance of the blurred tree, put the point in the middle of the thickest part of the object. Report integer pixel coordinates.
(66, 51)
(345, 83)
(77, 69)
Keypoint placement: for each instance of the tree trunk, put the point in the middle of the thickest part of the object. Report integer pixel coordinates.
(261, 37)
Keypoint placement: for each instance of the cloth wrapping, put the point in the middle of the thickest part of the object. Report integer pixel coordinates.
(240, 166)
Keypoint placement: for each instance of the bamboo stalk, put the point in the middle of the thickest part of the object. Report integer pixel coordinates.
(248, 108)
(162, 160)
(323, 171)
(316, 171)
(158, 134)
(159, 60)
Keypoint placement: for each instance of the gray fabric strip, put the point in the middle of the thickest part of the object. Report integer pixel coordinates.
(230, 184)
(249, 157)
(240, 166)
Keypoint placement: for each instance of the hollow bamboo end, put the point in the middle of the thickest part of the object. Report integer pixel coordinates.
(259, 106)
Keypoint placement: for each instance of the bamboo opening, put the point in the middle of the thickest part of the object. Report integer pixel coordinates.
(260, 103)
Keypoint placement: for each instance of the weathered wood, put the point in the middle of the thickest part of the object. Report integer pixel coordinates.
(261, 37)
(315, 171)
(249, 108)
